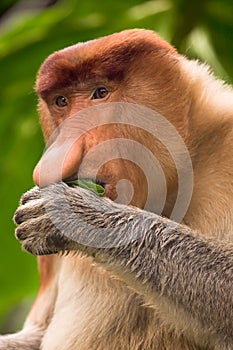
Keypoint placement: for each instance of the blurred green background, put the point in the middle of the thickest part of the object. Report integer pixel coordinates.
(29, 32)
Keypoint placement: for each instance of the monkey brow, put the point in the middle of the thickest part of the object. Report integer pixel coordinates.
(64, 68)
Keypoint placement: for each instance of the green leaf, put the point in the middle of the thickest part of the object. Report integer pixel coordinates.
(87, 185)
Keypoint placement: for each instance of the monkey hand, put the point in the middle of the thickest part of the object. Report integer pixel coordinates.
(35, 226)
(59, 218)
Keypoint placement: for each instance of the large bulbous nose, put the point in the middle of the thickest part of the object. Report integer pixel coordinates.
(60, 161)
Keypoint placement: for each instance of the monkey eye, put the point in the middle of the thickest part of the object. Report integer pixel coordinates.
(61, 101)
(99, 93)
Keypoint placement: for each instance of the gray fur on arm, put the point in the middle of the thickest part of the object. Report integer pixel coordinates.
(152, 254)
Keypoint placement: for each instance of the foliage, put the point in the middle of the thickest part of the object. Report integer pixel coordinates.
(28, 34)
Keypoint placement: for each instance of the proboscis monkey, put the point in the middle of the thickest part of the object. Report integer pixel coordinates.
(157, 285)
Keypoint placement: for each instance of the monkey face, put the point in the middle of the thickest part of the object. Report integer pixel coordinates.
(135, 67)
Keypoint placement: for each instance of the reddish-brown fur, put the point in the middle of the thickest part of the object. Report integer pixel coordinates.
(138, 67)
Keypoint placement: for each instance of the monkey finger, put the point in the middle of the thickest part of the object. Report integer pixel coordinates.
(40, 237)
(32, 194)
(37, 247)
(32, 226)
(28, 211)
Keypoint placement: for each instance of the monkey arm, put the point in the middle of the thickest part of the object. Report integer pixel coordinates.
(153, 255)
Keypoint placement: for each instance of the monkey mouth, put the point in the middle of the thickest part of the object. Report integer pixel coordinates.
(99, 182)
(88, 179)
(108, 187)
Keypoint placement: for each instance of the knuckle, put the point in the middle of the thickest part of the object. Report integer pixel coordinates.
(20, 215)
(28, 247)
(33, 193)
(20, 233)
(17, 218)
